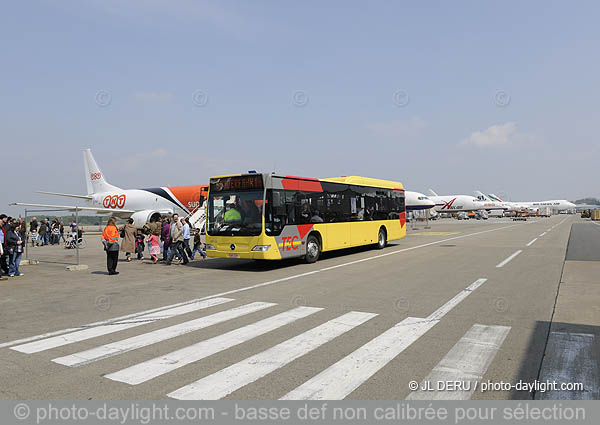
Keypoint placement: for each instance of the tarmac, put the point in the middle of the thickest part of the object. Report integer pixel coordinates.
(487, 304)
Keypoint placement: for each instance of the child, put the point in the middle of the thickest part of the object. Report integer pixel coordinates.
(197, 245)
(139, 245)
(154, 247)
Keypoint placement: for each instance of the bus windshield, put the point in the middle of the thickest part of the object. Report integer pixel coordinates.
(233, 213)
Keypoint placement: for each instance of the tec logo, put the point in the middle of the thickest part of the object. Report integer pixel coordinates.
(289, 243)
(114, 201)
(96, 176)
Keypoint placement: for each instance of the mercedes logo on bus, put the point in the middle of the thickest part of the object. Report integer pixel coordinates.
(232, 246)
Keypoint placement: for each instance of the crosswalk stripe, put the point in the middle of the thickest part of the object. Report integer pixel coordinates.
(227, 380)
(340, 379)
(119, 347)
(466, 363)
(343, 377)
(570, 358)
(60, 340)
(152, 368)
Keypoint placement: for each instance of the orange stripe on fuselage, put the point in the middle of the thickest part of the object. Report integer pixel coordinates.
(190, 197)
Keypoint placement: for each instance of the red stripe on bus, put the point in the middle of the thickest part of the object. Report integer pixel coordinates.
(308, 185)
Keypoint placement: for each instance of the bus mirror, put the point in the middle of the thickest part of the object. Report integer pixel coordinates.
(276, 199)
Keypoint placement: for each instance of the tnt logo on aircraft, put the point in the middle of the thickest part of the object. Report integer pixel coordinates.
(448, 205)
(95, 176)
(114, 201)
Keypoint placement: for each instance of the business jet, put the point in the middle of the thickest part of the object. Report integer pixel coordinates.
(555, 204)
(142, 205)
(457, 203)
(417, 201)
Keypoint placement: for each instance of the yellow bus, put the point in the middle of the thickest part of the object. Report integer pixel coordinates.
(272, 217)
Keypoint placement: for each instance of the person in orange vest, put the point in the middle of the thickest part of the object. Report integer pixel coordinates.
(110, 240)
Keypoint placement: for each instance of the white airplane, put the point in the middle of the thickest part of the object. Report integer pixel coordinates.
(555, 204)
(417, 201)
(508, 206)
(140, 204)
(457, 203)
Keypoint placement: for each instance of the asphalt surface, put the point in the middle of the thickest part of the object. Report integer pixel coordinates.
(584, 242)
(413, 320)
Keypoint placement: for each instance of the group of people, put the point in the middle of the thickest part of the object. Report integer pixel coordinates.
(13, 240)
(48, 232)
(170, 236)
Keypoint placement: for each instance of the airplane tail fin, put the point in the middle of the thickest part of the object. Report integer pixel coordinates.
(94, 178)
(495, 198)
(433, 193)
(482, 196)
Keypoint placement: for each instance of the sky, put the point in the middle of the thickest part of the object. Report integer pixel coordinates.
(456, 96)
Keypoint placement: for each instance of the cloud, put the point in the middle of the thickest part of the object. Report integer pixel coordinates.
(408, 128)
(495, 135)
(148, 96)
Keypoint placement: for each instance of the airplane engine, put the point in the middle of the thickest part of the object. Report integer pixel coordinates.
(142, 217)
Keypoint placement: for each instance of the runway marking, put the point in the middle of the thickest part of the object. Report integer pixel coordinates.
(570, 358)
(434, 233)
(542, 234)
(157, 366)
(466, 362)
(532, 242)
(247, 288)
(139, 341)
(238, 375)
(503, 263)
(549, 230)
(340, 379)
(82, 335)
(443, 310)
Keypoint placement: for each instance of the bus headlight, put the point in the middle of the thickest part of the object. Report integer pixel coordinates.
(261, 248)
(209, 246)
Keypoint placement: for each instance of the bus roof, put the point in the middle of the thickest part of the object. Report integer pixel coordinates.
(365, 181)
(354, 180)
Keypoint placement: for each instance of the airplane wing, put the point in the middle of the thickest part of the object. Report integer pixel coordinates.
(433, 193)
(73, 208)
(68, 195)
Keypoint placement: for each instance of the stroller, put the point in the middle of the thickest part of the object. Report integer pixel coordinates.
(71, 243)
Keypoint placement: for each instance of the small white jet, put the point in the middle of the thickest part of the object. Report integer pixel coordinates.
(140, 204)
(417, 201)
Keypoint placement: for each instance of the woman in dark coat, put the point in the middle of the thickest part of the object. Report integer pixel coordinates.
(166, 237)
(14, 246)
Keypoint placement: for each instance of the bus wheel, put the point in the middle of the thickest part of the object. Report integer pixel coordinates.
(381, 239)
(313, 249)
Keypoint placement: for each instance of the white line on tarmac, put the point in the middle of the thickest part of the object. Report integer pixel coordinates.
(340, 379)
(157, 366)
(143, 340)
(238, 375)
(542, 234)
(503, 263)
(443, 310)
(532, 242)
(247, 288)
(58, 341)
(466, 362)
